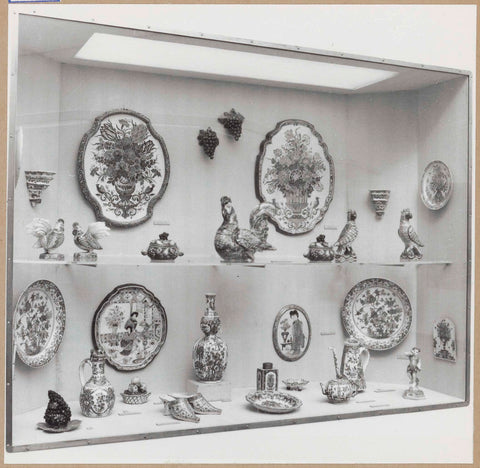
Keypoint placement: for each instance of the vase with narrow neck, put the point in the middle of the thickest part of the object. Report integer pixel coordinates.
(96, 395)
(210, 352)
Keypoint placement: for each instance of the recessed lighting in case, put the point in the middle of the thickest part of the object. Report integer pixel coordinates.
(163, 55)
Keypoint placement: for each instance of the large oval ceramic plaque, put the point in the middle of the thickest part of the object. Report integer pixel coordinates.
(295, 171)
(291, 333)
(123, 167)
(39, 323)
(378, 313)
(130, 325)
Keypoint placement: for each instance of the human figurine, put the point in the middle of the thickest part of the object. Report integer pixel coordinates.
(414, 367)
(343, 247)
(409, 237)
(298, 337)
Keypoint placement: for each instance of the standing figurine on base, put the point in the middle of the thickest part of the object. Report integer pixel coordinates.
(343, 246)
(88, 240)
(414, 367)
(409, 237)
(48, 238)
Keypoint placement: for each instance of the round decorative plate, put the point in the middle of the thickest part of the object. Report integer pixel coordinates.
(130, 325)
(71, 426)
(39, 323)
(273, 402)
(378, 313)
(436, 186)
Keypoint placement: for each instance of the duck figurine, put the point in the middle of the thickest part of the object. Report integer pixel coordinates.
(239, 245)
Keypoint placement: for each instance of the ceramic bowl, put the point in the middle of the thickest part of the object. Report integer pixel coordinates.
(135, 398)
(273, 402)
(295, 384)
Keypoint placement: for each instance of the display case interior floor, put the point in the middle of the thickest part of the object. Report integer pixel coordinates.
(133, 422)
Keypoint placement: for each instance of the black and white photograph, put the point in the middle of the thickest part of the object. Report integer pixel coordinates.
(240, 233)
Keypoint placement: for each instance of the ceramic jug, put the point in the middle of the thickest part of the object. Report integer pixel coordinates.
(354, 362)
(96, 395)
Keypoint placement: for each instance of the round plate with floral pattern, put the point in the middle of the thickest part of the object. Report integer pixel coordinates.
(378, 313)
(273, 402)
(436, 185)
(39, 323)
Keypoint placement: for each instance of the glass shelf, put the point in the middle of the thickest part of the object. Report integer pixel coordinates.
(139, 261)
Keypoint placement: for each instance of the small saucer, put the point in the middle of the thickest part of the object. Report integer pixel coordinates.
(71, 426)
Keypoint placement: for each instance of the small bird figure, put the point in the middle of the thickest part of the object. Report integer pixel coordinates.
(409, 237)
(88, 240)
(239, 245)
(48, 238)
(343, 246)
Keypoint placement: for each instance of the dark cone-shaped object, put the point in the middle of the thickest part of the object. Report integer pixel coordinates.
(58, 413)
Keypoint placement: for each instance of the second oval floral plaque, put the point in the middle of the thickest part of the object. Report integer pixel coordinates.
(291, 333)
(123, 167)
(295, 171)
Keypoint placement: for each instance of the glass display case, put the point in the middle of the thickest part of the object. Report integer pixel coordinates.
(320, 202)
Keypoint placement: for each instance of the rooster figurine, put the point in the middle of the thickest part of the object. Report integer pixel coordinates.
(48, 238)
(88, 240)
(343, 246)
(409, 237)
(239, 245)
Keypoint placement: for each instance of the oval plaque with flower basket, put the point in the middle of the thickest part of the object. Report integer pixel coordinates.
(296, 173)
(123, 167)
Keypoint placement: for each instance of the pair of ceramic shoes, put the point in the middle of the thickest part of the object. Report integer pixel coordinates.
(186, 407)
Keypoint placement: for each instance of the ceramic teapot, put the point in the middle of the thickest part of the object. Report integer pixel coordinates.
(339, 389)
(320, 251)
(96, 395)
(354, 362)
(162, 249)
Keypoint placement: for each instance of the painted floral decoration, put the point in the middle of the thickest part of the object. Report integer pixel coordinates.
(125, 166)
(296, 170)
(379, 314)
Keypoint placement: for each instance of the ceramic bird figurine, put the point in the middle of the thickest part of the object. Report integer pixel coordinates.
(343, 246)
(239, 245)
(88, 240)
(409, 237)
(48, 237)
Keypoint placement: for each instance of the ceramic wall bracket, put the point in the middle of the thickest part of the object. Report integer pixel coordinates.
(379, 200)
(37, 182)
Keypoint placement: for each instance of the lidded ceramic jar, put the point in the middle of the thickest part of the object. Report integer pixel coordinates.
(162, 249)
(267, 377)
(210, 352)
(320, 251)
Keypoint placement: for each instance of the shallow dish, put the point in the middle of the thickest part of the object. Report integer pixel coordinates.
(295, 384)
(273, 402)
(71, 426)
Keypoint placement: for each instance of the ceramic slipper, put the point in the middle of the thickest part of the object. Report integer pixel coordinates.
(201, 405)
(179, 408)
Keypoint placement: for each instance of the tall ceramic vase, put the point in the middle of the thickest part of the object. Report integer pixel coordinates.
(354, 363)
(210, 352)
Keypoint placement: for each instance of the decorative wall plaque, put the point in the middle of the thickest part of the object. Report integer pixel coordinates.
(130, 325)
(295, 171)
(123, 167)
(444, 341)
(291, 333)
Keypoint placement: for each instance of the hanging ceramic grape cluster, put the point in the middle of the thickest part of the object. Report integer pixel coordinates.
(208, 140)
(232, 121)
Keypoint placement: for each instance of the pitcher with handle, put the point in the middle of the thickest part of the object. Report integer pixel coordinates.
(354, 362)
(96, 395)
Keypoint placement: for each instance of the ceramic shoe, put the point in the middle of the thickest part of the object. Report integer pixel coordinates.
(179, 408)
(201, 405)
